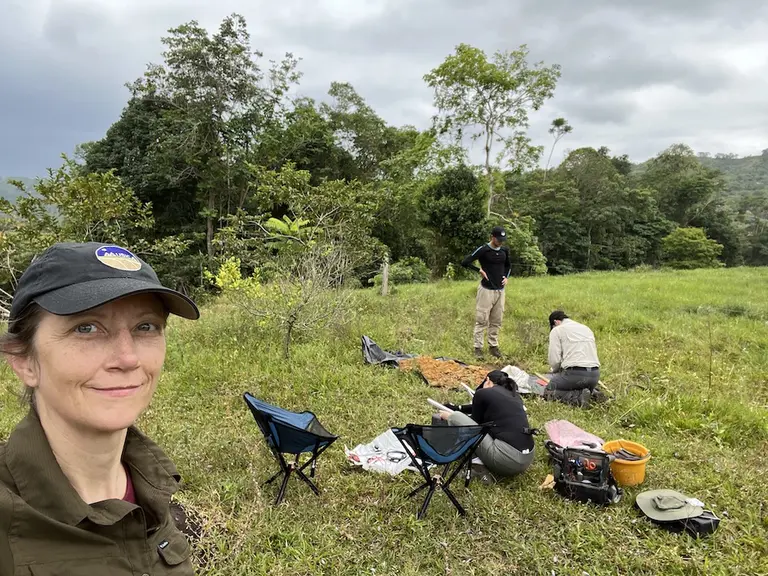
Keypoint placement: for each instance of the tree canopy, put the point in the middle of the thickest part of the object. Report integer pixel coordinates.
(216, 159)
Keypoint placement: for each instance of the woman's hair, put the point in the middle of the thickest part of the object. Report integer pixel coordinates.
(502, 379)
(556, 315)
(20, 340)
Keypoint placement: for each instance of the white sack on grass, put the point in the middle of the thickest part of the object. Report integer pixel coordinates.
(384, 453)
(526, 383)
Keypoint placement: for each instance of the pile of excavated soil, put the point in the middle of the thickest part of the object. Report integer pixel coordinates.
(445, 373)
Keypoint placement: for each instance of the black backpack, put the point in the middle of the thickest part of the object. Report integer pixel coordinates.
(583, 474)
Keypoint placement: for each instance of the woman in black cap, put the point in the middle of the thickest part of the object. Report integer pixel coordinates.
(508, 449)
(82, 491)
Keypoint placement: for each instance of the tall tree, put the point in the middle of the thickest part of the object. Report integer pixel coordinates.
(491, 99)
(559, 128)
(453, 209)
(219, 105)
(132, 148)
(363, 133)
(684, 187)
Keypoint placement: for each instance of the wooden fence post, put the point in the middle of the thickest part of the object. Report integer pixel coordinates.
(385, 277)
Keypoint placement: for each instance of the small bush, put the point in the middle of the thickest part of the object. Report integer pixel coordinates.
(689, 248)
(405, 271)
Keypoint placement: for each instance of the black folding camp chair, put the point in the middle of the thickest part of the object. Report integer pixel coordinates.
(290, 433)
(441, 446)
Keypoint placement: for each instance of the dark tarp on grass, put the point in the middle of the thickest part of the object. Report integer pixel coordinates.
(373, 354)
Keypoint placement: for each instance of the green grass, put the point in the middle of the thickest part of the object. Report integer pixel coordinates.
(657, 333)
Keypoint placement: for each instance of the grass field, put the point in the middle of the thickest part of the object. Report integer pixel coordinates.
(685, 354)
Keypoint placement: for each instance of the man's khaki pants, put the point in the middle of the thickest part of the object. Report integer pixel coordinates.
(489, 312)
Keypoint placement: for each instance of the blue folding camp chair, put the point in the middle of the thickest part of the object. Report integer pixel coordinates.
(442, 446)
(290, 433)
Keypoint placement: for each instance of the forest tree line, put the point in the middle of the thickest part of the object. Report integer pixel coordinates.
(214, 160)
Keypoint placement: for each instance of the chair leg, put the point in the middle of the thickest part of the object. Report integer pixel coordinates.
(283, 486)
(417, 490)
(423, 511)
(455, 502)
(284, 468)
(274, 477)
(446, 486)
(309, 482)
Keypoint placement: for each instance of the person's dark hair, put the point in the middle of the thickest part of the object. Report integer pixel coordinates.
(19, 340)
(502, 379)
(556, 315)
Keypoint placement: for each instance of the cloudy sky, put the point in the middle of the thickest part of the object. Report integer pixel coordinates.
(636, 78)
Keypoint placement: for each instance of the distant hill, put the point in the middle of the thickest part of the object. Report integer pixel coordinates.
(747, 175)
(11, 192)
(744, 175)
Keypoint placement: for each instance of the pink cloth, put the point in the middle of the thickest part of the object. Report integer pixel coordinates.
(566, 434)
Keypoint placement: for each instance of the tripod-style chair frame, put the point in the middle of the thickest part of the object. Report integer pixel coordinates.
(293, 433)
(460, 443)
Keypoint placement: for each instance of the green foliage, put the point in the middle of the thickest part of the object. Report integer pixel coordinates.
(336, 212)
(399, 222)
(224, 162)
(689, 248)
(10, 191)
(527, 259)
(558, 129)
(304, 293)
(752, 217)
(70, 206)
(454, 212)
(682, 184)
(490, 99)
(406, 271)
(589, 215)
(743, 176)
(215, 102)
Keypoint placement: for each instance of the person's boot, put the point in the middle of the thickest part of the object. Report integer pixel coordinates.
(598, 396)
(479, 353)
(494, 351)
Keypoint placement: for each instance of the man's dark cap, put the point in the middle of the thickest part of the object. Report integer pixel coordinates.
(499, 233)
(69, 278)
(556, 315)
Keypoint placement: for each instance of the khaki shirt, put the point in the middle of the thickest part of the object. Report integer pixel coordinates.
(572, 344)
(46, 529)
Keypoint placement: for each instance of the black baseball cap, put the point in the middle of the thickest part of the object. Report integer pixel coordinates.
(499, 233)
(69, 278)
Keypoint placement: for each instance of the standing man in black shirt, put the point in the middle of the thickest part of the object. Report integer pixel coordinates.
(495, 267)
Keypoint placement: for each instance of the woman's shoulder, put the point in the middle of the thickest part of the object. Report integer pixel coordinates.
(6, 479)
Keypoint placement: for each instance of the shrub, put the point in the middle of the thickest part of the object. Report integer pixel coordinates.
(406, 271)
(689, 248)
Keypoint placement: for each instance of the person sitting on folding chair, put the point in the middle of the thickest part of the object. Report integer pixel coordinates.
(508, 448)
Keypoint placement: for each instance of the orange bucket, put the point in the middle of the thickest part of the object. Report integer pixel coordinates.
(628, 472)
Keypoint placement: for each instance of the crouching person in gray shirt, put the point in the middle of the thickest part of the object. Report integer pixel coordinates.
(573, 360)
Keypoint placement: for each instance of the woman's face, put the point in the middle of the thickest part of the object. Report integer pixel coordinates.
(98, 370)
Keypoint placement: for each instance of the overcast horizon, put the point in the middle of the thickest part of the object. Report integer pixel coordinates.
(635, 78)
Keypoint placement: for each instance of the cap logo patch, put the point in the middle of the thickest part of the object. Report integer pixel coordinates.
(119, 258)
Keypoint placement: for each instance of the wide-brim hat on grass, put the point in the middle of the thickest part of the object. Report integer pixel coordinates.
(668, 505)
(73, 277)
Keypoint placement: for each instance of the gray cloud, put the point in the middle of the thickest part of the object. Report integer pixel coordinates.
(636, 77)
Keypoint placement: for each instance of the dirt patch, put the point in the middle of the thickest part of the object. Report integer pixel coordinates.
(445, 373)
